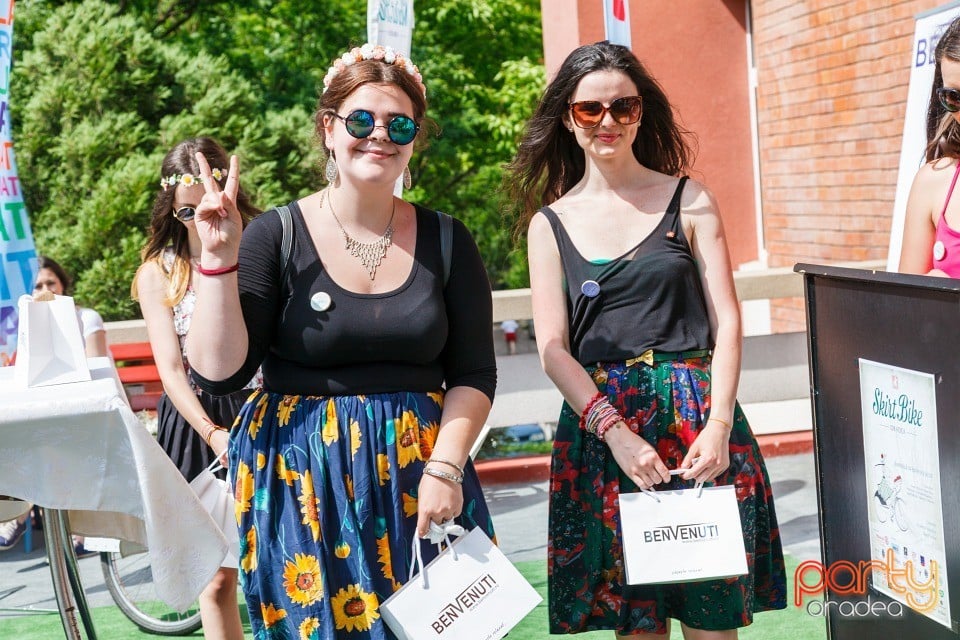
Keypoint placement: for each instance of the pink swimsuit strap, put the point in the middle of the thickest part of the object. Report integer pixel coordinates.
(953, 183)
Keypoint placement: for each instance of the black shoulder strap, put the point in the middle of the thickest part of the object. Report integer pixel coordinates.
(286, 241)
(446, 243)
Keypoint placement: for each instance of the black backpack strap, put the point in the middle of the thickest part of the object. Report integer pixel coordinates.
(446, 243)
(286, 241)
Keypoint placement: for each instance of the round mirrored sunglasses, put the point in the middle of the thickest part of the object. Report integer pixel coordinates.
(361, 123)
(587, 114)
(185, 214)
(949, 98)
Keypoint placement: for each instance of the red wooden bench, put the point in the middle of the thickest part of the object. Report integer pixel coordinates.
(138, 373)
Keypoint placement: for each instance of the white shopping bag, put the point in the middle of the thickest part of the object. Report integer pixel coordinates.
(216, 496)
(49, 344)
(469, 592)
(682, 536)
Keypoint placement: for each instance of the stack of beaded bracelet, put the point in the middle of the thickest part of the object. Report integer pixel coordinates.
(445, 475)
(599, 416)
(208, 430)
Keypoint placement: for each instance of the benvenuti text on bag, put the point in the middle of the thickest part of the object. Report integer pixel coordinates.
(464, 602)
(699, 531)
(844, 578)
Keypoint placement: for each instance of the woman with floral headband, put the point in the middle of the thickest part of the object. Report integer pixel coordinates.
(191, 424)
(378, 365)
(638, 326)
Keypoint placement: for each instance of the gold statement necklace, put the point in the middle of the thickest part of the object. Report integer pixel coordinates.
(370, 253)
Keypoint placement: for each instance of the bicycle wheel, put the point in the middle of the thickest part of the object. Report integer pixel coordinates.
(130, 582)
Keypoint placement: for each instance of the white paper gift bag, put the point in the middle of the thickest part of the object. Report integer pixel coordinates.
(49, 343)
(469, 592)
(216, 496)
(682, 536)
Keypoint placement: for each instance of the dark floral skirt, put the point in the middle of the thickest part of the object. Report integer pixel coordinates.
(667, 404)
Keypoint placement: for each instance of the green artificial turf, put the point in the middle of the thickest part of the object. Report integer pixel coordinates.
(793, 623)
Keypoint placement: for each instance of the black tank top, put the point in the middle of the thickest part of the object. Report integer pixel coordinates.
(649, 298)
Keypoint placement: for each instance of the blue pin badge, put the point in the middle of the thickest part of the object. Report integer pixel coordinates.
(590, 288)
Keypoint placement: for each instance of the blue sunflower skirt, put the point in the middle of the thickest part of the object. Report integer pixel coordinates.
(326, 503)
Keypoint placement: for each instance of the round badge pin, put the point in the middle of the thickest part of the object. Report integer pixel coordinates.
(320, 301)
(590, 288)
(939, 251)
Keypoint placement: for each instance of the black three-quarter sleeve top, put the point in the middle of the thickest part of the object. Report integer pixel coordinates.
(418, 337)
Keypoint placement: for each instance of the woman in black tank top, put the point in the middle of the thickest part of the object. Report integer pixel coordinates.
(638, 325)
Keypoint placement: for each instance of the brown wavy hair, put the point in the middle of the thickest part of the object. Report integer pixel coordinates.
(549, 162)
(167, 231)
(351, 77)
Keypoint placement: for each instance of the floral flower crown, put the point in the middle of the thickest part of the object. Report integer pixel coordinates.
(373, 52)
(188, 179)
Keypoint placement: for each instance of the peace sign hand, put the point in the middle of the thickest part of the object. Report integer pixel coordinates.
(218, 221)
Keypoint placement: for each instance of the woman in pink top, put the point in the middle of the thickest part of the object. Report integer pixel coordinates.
(931, 233)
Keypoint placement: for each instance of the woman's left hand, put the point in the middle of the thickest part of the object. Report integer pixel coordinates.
(438, 500)
(709, 455)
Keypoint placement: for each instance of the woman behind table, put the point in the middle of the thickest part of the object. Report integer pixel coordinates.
(53, 278)
(931, 233)
(191, 424)
(353, 447)
(627, 258)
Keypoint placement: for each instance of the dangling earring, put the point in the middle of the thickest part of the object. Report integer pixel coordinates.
(407, 178)
(331, 172)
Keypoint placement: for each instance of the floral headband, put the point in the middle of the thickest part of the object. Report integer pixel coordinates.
(373, 52)
(188, 179)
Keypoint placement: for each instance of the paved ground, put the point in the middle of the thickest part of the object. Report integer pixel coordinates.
(520, 513)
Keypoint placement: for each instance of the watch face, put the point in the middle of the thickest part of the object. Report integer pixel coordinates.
(939, 251)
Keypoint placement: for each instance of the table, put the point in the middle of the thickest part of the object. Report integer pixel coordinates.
(79, 451)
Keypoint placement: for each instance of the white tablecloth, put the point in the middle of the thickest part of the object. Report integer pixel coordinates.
(80, 448)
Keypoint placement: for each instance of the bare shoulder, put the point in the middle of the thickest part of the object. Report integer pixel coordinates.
(150, 277)
(697, 200)
(936, 173)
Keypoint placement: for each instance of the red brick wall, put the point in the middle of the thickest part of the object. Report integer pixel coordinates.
(831, 97)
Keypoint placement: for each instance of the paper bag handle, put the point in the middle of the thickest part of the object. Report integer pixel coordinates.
(438, 534)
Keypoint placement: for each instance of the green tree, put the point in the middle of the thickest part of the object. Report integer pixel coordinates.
(100, 91)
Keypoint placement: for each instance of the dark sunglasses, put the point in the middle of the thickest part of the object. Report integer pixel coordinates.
(949, 98)
(589, 113)
(361, 123)
(185, 214)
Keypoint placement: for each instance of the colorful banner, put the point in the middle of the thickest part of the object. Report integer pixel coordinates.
(18, 256)
(390, 23)
(616, 21)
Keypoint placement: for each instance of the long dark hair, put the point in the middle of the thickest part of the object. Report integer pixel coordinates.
(43, 262)
(549, 162)
(167, 231)
(943, 131)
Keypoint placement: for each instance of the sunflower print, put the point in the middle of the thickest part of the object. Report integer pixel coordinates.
(287, 406)
(285, 474)
(383, 468)
(309, 505)
(248, 551)
(408, 439)
(409, 504)
(428, 437)
(302, 580)
(319, 546)
(271, 615)
(243, 490)
(437, 398)
(385, 560)
(331, 428)
(354, 608)
(258, 413)
(310, 629)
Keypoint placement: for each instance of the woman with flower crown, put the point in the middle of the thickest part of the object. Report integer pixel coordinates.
(378, 365)
(191, 424)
